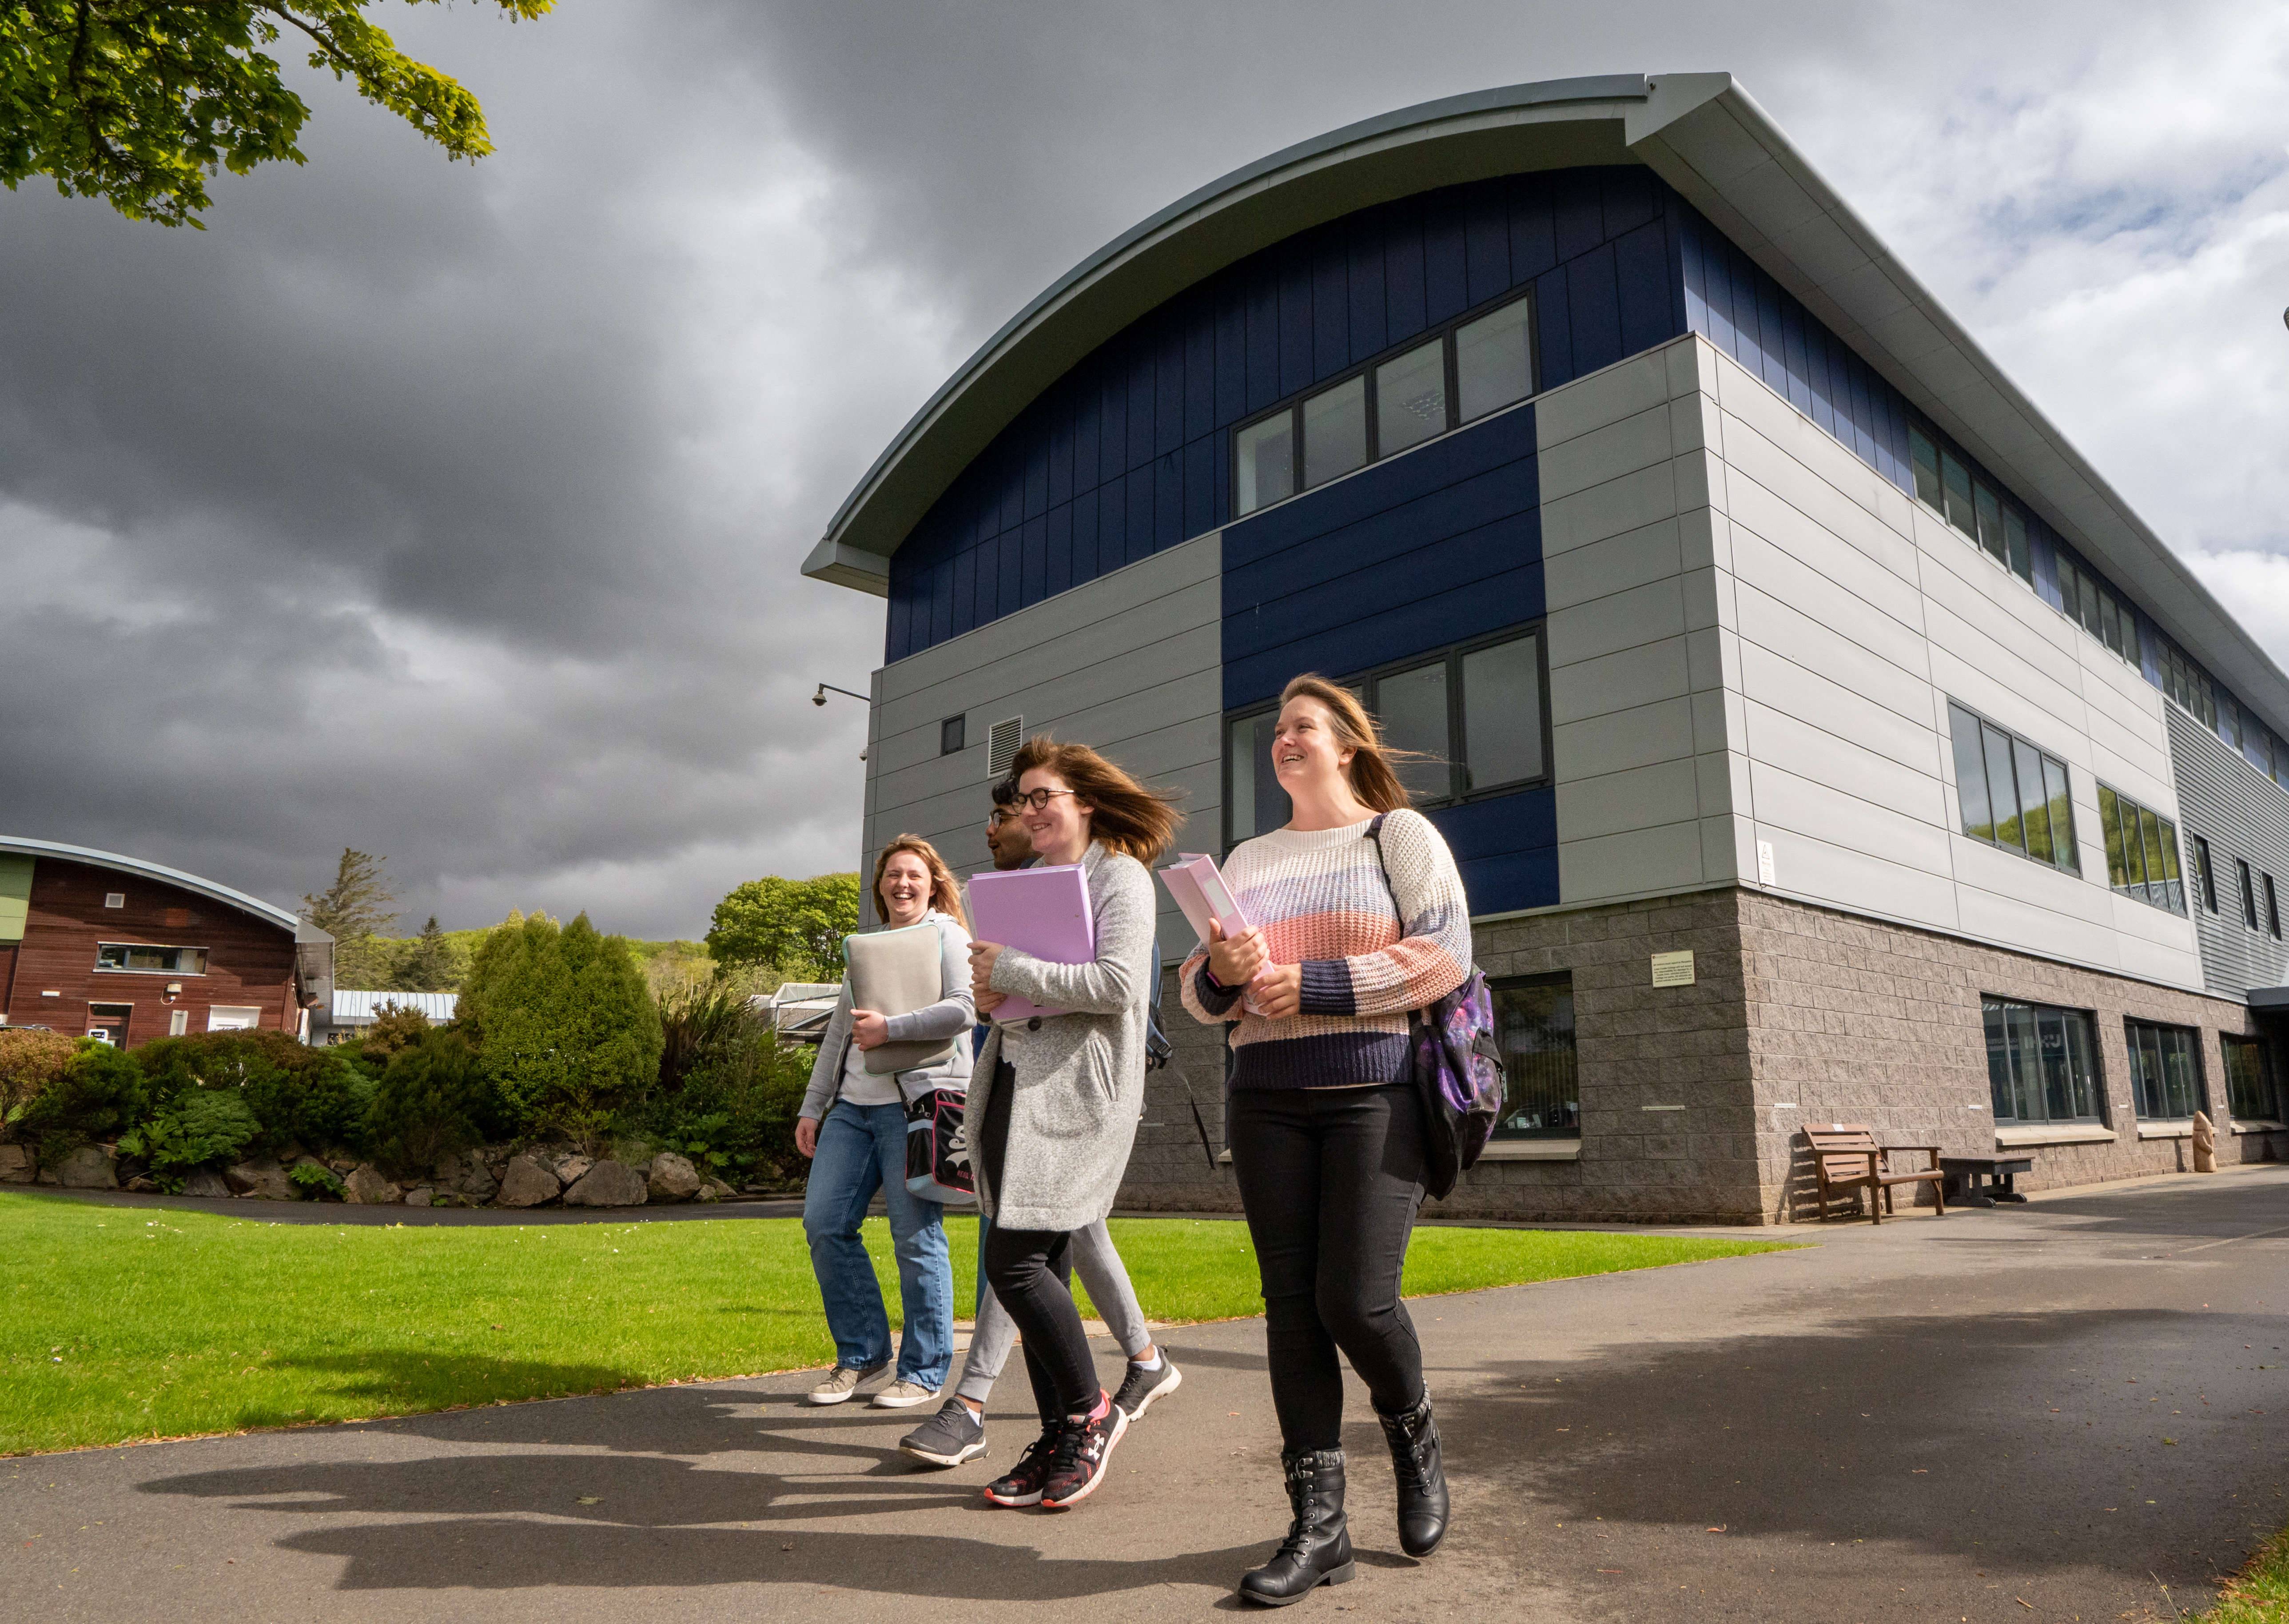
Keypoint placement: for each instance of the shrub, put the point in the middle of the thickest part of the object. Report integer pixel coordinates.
(395, 1027)
(567, 1031)
(316, 1180)
(432, 1101)
(30, 1062)
(296, 1093)
(99, 1093)
(729, 1090)
(201, 1127)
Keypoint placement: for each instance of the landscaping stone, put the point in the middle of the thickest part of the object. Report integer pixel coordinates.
(419, 1196)
(672, 1178)
(716, 1189)
(261, 1178)
(367, 1187)
(525, 1182)
(47, 1176)
(141, 1185)
(572, 1168)
(89, 1168)
(16, 1165)
(465, 1173)
(608, 1184)
(206, 1183)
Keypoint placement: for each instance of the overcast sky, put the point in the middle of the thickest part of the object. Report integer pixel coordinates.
(454, 511)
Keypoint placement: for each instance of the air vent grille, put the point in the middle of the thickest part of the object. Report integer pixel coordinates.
(1001, 745)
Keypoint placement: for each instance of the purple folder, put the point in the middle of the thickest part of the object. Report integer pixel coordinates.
(1043, 911)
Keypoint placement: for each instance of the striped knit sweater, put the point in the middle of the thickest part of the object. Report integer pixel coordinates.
(1320, 901)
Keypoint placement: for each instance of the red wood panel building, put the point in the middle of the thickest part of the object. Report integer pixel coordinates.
(92, 941)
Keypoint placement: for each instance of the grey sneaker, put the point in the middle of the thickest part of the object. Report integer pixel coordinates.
(948, 1438)
(903, 1395)
(844, 1382)
(1143, 1385)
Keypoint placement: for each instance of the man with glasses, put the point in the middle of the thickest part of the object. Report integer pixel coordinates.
(957, 1432)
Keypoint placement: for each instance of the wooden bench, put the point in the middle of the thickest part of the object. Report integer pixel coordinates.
(1846, 1158)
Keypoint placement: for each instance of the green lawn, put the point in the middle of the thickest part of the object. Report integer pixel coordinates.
(2260, 1595)
(120, 1324)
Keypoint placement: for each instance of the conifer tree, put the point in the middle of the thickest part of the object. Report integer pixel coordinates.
(567, 1029)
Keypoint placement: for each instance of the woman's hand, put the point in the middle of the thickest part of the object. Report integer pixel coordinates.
(1277, 991)
(806, 1135)
(1235, 963)
(870, 1029)
(988, 1002)
(982, 956)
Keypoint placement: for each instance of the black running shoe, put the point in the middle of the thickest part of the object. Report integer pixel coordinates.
(1143, 1385)
(1084, 1450)
(1026, 1479)
(948, 1438)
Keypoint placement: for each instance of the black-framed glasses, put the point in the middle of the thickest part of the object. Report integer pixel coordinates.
(999, 816)
(1038, 800)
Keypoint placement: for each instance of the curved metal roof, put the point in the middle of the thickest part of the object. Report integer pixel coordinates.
(239, 900)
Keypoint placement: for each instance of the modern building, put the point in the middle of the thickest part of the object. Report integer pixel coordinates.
(112, 947)
(351, 1012)
(1821, 737)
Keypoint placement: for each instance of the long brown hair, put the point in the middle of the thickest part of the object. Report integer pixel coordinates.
(945, 891)
(1371, 775)
(1124, 814)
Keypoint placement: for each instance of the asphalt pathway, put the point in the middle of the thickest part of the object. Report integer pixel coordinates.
(2073, 1410)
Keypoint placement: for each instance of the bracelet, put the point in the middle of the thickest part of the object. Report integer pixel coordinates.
(1213, 982)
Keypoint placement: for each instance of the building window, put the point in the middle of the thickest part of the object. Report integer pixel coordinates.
(2205, 876)
(2165, 1073)
(2011, 794)
(2092, 604)
(2248, 893)
(1469, 719)
(178, 1021)
(114, 899)
(1534, 1022)
(1455, 376)
(2188, 684)
(2141, 853)
(2272, 906)
(1945, 482)
(234, 1018)
(950, 735)
(2251, 1091)
(108, 1024)
(2042, 1062)
(151, 960)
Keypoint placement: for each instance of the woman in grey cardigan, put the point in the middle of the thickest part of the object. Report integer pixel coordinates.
(853, 1126)
(1053, 1113)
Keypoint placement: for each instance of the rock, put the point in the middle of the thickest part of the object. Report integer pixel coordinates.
(141, 1185)
(608, 1184)
(672, 1178)
(465, 1173)
(525, 1182)
(89, 1168)
(419, 1196)
(367, 1187)
(16, 1165)
(716, 1189)
(261, 1179)
(342, 1164)
(206, 1183)
(572, 1169)
(47, 1176)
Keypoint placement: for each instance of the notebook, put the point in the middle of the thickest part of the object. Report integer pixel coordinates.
(895, 972)
(1198, 888)
(1043, 911)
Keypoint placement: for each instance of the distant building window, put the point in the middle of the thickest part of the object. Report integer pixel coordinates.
(1534, 1022)
(2165, 1073)
(1455, 376)
(2272, 906)
(2011, 794)
(1945, 482)
(2251, 1091)
(114, 899)
(2188, 684)
(2205, 876)
(950, 735)
(2141, 853)
(232, 1018)
(178, 1021)
(1471, 719)
(154, 960)
(2090, 602)
(2248, 893)
(2042, 1062)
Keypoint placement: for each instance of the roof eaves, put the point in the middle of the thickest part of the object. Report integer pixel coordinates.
(152, 870)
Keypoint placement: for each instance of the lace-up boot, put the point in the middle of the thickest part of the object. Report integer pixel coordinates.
(1415, 1456)
(1317, 1549)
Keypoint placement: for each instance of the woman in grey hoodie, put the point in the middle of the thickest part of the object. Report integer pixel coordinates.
(1053, 1110)
(853, 1126)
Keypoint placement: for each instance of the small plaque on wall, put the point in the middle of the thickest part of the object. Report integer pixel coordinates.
(1673, 969)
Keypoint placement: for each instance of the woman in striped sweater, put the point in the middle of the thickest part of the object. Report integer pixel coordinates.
(1327, 1126)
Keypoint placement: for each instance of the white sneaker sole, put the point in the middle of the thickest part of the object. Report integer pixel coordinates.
(967, 1451)
(1119, 1431)
(817, 1396)
(1176, 1379)
(884, 1401)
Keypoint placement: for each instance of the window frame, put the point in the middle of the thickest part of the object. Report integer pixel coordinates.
(953, 734)
(2269, 1080)
(1996, 1006)
(2172, 837)
(1498, 985)
(2272, 905)
(2244, 878)
(2205, 875)
(206, 957)
(1362, 683)
(1443, 335)
(2072, 863)
(2190, 1038)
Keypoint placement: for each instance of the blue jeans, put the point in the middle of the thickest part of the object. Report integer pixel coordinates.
(861, 1149)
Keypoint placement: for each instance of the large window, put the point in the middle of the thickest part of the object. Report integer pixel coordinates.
(1468, 720)
(2042, 1062)
(2188, 683)
(2165, 1071)
(2011, 794)
(1945, 481)
(2087, 600)
(1451, 378)
(1534, 1022)
(155, 960)
(2141, 853)
(2251, 1091)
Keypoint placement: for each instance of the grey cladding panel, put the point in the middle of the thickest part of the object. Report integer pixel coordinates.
(2222, 799)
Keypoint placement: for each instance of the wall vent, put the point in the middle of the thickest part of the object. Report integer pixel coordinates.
(1001, 745)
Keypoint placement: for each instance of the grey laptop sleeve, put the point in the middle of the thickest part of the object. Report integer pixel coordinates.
(897, 972)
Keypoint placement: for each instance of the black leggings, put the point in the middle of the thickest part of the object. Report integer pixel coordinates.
(1331, 1178)
(1030, 1272)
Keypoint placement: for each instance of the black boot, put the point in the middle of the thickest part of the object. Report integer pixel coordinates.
(1317, 1549)
(1414, 1457)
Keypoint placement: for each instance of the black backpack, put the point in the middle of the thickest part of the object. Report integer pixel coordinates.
(1160, 1055)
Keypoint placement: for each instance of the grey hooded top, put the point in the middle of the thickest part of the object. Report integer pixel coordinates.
(1080, 1077)
(950, 1017)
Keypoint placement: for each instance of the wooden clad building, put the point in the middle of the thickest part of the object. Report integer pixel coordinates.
(113, 947)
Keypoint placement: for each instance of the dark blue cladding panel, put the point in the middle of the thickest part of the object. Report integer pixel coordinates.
(1506, 849)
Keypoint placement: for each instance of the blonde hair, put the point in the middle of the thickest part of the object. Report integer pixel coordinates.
(1370, 774)
(945, 891)
(1125, 814)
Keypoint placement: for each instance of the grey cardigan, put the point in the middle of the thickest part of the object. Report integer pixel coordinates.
(952, 1017)
(1079, 1078)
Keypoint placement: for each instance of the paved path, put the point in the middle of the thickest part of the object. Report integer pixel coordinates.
(2078, 1405)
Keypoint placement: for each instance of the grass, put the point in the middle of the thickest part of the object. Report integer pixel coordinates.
(2260, 1593)
(122, 1324)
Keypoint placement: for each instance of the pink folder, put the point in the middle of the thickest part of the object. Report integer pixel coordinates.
(1043, 911)
(1198, 888)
